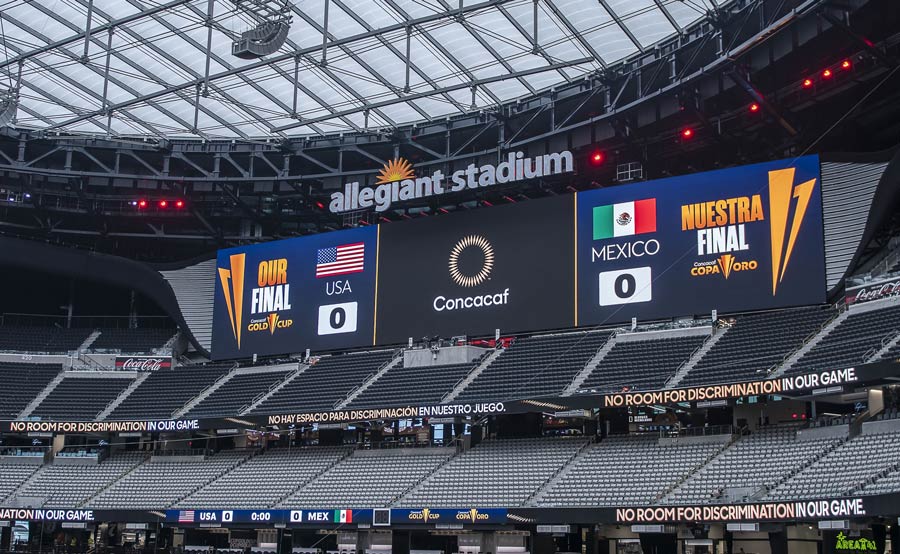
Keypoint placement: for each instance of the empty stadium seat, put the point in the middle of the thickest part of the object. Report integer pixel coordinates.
(21, 382)
(737, 355)
(161, 483)
(642, 364)
(274, 475)
(137, 340)
(236, 393)
(12, 476)
(846, 468)
(167, 390)
(535, 366)
(412, 385)
(370, 478)
(55, 340)
(625, 471)
(757, 461)
(495, 473)
(68, 486)
(325, 382)
(852, 342)
(81, 396)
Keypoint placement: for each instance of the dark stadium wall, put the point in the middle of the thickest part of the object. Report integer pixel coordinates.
(48, 294)
(885, 203)
(68, 263)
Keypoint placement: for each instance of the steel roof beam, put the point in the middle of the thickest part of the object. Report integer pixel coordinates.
(436, 43)
(255, 117)
(486, 45)
(540, 49)
(576, 34)
(71, 55)
(665, 11)
(459, 86)
(312, 23)
(621, 24)
(276, 59)
(424, 76)
(256, 86)
(79, 36)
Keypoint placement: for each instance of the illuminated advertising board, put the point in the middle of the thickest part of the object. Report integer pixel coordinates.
(738, 239)
(745, 238)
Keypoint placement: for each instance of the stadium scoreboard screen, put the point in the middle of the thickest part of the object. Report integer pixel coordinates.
(743, 238)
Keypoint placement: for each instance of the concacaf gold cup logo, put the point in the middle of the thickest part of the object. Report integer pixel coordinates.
(270, 297)
(720, 227)
(425, 515)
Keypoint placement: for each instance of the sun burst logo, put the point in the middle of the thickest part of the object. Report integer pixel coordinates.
(395, 170)
(487, 252)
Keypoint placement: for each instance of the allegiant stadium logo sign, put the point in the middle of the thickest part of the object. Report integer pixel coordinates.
(397, 182)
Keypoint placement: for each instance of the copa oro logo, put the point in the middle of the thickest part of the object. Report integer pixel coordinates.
(472, 515)
(725, 265)
(781, 191)
(471, 279)
(425, 515)
(232, 280)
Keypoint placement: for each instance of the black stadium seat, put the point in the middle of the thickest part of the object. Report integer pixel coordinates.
(21, 382)
(641, 364)
(165, 391)
(737, 356)
(535, 366)
(325, 382)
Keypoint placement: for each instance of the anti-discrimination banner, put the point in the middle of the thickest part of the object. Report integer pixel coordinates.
(807, 510)
(822, 382)
(738, 239)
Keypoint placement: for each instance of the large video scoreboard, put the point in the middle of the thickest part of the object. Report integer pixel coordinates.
(743, 238)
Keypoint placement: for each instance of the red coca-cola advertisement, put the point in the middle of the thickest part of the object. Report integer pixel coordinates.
(143, 363)
(873, 291)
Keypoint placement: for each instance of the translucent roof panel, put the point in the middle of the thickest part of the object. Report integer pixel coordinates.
(165, 67)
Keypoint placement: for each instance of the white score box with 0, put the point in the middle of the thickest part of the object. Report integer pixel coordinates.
(337, 318)
(626, 286)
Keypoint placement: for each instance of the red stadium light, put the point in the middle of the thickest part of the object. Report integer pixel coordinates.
(807, 83)
(827, 74)
(846, 64)
(142, 203)
(687, 133)
(163, 204)
(179, 204)
(597, 157)
(754, 107)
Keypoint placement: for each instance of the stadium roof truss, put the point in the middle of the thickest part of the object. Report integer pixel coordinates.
(148, 68)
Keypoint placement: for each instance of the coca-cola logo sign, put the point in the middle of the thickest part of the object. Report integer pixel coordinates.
(143, 363)
(874, 291)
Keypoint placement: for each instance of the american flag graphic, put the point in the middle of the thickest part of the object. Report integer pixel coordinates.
(186, 516)
(340, 260)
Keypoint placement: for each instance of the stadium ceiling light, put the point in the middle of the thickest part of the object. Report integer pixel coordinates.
(163, 204)
(179, 204)
(687, 133)
(142, 203)
(826, 74)
(807, 83)
(597, 157)
(754, 107)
